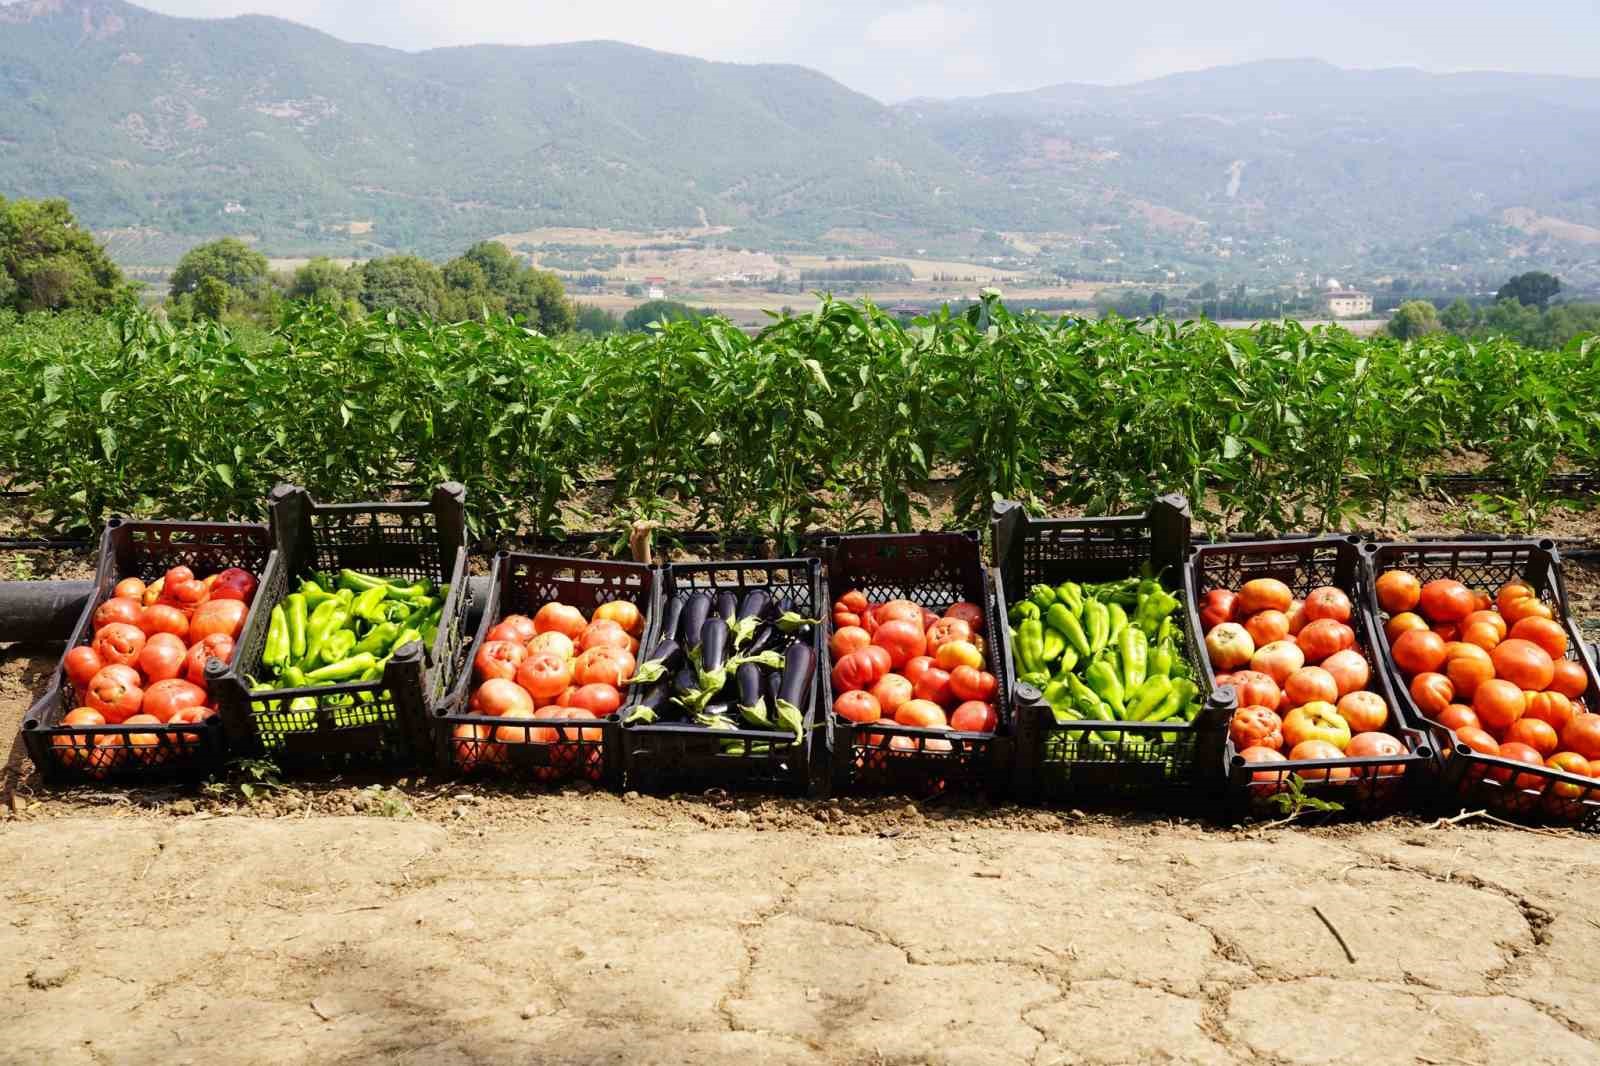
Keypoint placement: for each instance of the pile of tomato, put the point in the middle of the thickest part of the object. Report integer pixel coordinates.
(1301, 681)
(557, 665)
(900, 662)
(146, 663)
(1495, 673)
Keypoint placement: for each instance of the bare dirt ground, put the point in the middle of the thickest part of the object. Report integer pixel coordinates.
(423, 921)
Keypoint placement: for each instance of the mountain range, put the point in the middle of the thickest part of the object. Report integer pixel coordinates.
(164, 131)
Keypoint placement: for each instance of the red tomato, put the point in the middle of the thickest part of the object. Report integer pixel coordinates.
(1216, 607)
(1319, 751)
(969, 613)
(858, 670)
(902, 639)
(164, 618)
(1582, 735)
(117, 609)
(215, 646)
(217, 616)
(1278, 660)
(946, 630)
(971, 685)
(858, 706)
(1405, 623)
(1266, 627)
(599, 700)
(958, 653)
(604, 666)
(623, 613)
(854, 601)
(185, 595)
(604, 634)
(162, 658)
(1324, 638)
(1263, 594)
(509, 632)
(1527, 607)
(1310, 684)
(545, 676)
(130, 588)
(974, 716)
(1256, 690)
(1497, 704)
(923, 714)
(934, 687)
(114, 695)
(1349, 669)
(1475, 739)
(1522, 753)
(82, 663)
(1256, 727)
(1524, 663)
(917, 667)
(1262, 754)
(498, 698)
(552, 616)
(1539, 735)
(498, 658)
(1545, 632)
(1328, 602)
(1446, 600)
(879, 655)
(1459, 716)
(234, 584)
(119, 643)
(1419, 651)
(1467, 666)
(166, 698)
(847, 639)
(1433, 693)
(848, 620)
(1570, 679)
(891, 691)
(901, 610)
(1398, 591)
(474, 747)
(1376, 745)
(1365, 711)
(550, 643)
(1549, 707)
(1570, 762)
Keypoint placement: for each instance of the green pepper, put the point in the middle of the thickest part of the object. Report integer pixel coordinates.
(1043, 596)
(320, 630)
(1162, 658)
(1096, 625)
(1103, 680)
(314, 594)
(1134, 647)
(1059, 699)
(1084, 698)
(1154, 607)
(343, 670)
(276, 652)
(1181, 668)
(295, 611)
(406, 636)
(1066, 623)
(1023, 611)
(369, 605)
(378, 639)
(1149, 696)
(1030, 646)
(1168, 630)
(1071, 594)
(1038, 679)
(1182, 694)
(1054, 645)
(359, 582)
(339, 645)
(1119, 621)
(1069, 662)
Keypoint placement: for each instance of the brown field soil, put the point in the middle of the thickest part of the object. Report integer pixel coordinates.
(419, 920)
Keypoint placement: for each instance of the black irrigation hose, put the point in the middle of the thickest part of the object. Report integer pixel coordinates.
(44, 544)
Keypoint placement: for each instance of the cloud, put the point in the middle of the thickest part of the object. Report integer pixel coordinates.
(920, 26)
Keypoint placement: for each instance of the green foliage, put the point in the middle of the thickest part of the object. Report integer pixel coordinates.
(1533, 289)
(403, 283)
(595, 321)
(1414, 319)
(640, 317)
(831, 419)
(325, 281)
(1553, 328)
(230, 261)
(211, 298)
(50, 263)
(488, 279)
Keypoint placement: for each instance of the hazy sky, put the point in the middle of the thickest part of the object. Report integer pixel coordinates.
(893, 49)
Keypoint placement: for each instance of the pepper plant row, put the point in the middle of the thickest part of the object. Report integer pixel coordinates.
(834, 419)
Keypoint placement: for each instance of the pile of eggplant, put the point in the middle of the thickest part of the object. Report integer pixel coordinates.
(724, 663)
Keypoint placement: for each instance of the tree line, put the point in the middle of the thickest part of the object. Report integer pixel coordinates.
(1521, 311)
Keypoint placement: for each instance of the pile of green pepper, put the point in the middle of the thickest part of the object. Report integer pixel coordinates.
(340, 630)
(1096, 661)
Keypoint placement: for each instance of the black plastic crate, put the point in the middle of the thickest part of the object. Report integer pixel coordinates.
(384, 723)
(146, 550)
(1164, 765)
(1363, 787)
(1466, 777)
(935, 570)
(561, 750)
(682, 756)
